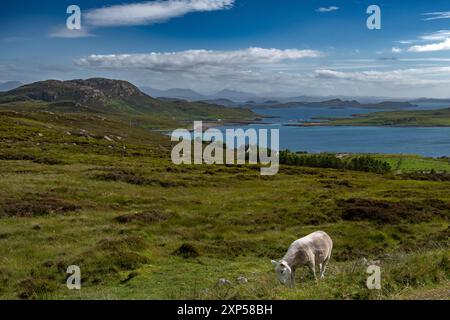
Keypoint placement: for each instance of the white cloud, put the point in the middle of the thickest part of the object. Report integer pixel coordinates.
(396, 50)
(436, 41)
(327, 9)
(191, 59)
(261, 71)
(437, 15)
(63, 32)
(411, 77)
(436, 36)
(146, 13)
(440, 46)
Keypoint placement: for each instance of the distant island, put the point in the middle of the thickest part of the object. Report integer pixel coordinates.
(335, 103)
(411, 118)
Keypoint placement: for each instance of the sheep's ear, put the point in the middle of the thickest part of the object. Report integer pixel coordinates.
(275, 263)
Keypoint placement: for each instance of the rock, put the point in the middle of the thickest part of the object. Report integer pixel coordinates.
(242, 280)
(224, 282)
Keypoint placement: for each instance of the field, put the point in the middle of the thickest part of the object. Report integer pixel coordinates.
(410, 163)
(79, 189)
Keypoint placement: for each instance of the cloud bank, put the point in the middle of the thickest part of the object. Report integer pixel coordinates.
(440, 46)
(327, 9)
(191, 59)
(63, 32)
(436, 41)
(134, 14)
(437, 15)
(146, 13)
(410, 77)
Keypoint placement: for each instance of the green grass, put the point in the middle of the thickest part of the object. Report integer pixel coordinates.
(408, 163)
(63, 187)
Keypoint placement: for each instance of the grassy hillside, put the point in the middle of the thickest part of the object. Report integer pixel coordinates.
(92, 191)
(112, 97)
(422, 118)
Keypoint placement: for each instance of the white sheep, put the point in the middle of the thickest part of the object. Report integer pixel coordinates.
(312, 250)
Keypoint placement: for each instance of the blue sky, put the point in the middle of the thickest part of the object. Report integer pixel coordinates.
(278, 47)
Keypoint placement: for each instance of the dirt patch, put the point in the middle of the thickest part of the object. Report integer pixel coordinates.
(426, 176)
(147, 217)
(40, 160)
(48, 161)
(15, 157)
(129, 242)
(330, 184)
(187, 251)
(128, 176)
(105, 260)
(36, 207)
(31, 288)
(5, 277)
(386, 212)
(236, 248)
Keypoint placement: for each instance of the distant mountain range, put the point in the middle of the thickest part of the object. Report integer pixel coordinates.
(233, 98)
(181, 94)
(226, 95)
(9, 85)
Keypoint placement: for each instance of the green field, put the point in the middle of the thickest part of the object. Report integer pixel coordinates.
(87, 190)
(411, 163)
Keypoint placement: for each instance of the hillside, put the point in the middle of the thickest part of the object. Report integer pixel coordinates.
(114, 97)
(88, 190)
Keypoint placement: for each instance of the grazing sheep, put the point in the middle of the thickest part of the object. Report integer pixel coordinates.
(314, 249)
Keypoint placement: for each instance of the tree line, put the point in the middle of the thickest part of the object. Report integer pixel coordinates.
(363, 163)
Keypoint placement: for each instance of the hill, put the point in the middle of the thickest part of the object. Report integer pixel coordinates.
(112, 97)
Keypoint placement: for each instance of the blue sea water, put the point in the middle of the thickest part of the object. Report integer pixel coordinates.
(425, 141)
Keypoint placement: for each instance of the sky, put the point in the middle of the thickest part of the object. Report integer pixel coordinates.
(265, 47)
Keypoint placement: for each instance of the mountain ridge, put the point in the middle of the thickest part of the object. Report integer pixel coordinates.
(115, 97)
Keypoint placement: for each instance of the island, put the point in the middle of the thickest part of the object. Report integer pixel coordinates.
(333, 103)
(407, 118)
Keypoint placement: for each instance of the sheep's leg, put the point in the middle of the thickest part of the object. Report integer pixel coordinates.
(324, 267)
(312, 266)
(293, 278)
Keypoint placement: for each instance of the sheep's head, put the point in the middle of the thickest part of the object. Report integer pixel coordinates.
(283, 271)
